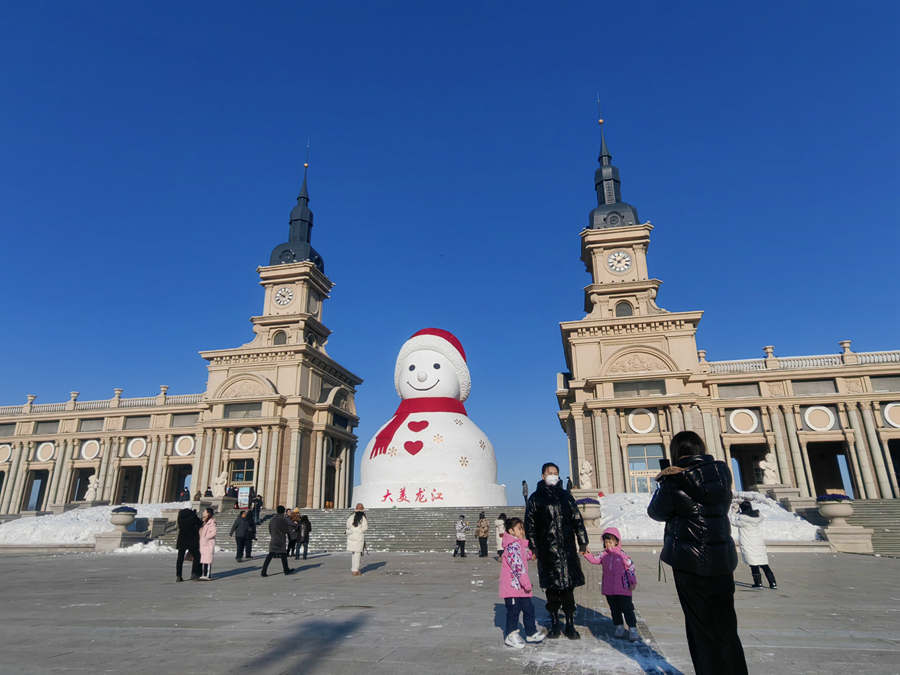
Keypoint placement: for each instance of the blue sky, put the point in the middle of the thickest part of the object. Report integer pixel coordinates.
(151, 153)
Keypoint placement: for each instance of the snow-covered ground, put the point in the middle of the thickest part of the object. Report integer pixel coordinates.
(149, 547)
(628, 513)
(73, 527)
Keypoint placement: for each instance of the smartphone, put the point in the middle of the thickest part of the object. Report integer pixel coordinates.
(664, 464)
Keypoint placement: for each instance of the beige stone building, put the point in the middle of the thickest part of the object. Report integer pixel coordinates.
(786, 425)
(278, 415)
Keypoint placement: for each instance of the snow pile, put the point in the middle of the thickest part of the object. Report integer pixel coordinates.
(72, 527)
(149, 547)
(628, 513)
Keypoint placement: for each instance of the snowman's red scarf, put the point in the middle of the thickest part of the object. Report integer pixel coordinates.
(408, 407)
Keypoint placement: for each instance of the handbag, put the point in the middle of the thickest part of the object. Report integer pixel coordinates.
(189, 557)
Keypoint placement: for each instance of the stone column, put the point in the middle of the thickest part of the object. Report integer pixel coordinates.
(293, 468)
(615, 454)
(808, 467)
(884, 482)
(9, 485)
(263, 458)
(686, 414)
(675, 418)
(270, 497)
(710, 435)
(206, 456)
(796, 456)
(600, 454)
(160, 474)
(578, 420)
(62, 447)
(727, 448)
(780, 452)
(195, 463)
(216, 467)
(62, 491)
(104, 464)
(718, 436)
(317, 470)
(152, 445)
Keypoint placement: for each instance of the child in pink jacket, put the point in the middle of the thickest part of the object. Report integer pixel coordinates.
(618, 582)
(515, 586)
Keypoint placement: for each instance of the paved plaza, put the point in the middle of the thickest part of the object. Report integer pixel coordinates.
(415, 613)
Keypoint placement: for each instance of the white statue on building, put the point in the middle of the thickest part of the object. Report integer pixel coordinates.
(93, 489)
(430, 453)
(769, 467)
(219, 483)
(584, 476)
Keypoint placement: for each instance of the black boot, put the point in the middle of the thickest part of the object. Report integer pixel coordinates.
(554, 633)
(771, 579)
(757, 579)
(571, 633)
(179, 578)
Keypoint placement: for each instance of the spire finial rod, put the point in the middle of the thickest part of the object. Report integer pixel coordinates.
(599, 113)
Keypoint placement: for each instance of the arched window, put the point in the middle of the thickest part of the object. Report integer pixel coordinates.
(279, 338)
(624, 308)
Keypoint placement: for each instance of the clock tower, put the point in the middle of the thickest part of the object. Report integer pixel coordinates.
(624, 351)
(280, 408)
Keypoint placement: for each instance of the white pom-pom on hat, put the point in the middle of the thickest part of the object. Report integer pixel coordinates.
(444, 343)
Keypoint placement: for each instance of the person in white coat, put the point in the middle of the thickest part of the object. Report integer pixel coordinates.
(753, 546)
(500, 530)
(356, 537)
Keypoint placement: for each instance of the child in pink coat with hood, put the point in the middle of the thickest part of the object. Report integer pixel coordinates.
(515, 586)
(619, 581)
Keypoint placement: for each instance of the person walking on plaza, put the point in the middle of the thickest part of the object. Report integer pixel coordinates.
(482, 531)
(499, 531)
(525, 491)
(619, 581)
(569, 485)
(694, 500)
(279, 530)
(553, 525)
(188, 541)
(243, 530)
(357, 524)
(303, 530)
(207, 543)
(753, 546)
(516, 587)
(461, 528)
(295, 534)
(257, 507)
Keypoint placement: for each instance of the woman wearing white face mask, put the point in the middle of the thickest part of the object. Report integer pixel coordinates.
(552, 523)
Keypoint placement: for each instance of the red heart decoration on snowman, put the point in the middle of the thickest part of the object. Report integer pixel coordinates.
(417, 426)
(413, 447)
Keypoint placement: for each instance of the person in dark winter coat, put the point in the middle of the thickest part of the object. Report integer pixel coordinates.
(279, 530)
(244, 532)
(303, 529)
(694, 500)
(569, 485)
(552, 524)
(188, 541)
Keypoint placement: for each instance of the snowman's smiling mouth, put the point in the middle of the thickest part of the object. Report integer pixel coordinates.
(426, 388)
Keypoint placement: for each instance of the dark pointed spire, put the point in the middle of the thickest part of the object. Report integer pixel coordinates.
(297, 248)
(611, 211)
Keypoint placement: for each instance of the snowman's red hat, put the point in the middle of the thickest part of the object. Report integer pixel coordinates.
(444, 343)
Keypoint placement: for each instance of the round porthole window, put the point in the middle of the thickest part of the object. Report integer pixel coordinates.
(642, 421)
(184, 446)
(819, 418)
(246, 438)
(136, 447)
(90, 449)
(743, 421)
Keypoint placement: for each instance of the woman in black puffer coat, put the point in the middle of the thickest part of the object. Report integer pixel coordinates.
(694, 500)
(188, 541)
(552, 525)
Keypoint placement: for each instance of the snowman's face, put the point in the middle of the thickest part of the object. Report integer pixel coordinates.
(427, 374)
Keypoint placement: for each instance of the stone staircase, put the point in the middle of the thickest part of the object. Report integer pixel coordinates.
(400, 530)
(883, 516)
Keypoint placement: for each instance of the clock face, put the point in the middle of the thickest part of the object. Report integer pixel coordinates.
(619, 261)
(283, 296)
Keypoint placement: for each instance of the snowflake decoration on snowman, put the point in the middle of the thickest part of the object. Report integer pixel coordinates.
(419, 448)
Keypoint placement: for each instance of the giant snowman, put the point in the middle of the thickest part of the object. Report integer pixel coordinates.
(430, 453)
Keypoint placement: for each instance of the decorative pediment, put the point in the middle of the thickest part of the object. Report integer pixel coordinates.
(245, 386)
(645, 360)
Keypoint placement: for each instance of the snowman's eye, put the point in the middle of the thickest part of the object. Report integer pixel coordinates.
(437, 366)
(412, 367)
